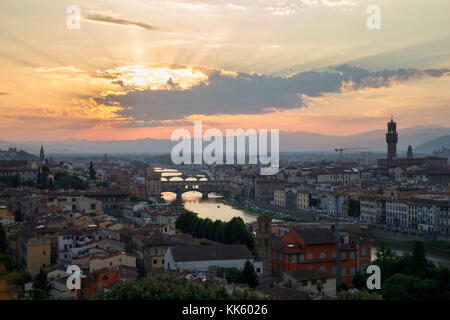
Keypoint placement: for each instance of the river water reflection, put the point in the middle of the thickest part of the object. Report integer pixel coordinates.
(212, 208)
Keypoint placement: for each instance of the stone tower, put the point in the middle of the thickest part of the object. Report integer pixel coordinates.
(41, 155)
(391, 139)
(264, 243)
(409, 153)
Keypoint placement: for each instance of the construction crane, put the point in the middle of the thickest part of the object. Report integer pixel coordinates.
(359, 163)
(340, 150)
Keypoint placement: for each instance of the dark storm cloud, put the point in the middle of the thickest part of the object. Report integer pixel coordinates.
(246, 93)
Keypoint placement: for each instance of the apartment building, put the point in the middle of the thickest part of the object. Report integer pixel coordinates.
(279, 198)
(315, 249)
(303, 200)
(373, 209)
(36, 254)
(397, 212)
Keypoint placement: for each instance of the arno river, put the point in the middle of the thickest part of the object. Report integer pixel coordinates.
(214, 209)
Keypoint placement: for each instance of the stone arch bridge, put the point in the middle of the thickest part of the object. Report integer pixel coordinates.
(205, 187)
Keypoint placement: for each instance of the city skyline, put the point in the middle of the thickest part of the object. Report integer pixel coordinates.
(141, 71)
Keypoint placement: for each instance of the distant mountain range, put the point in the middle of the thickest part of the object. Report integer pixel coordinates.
(419, 137)
(434, 144)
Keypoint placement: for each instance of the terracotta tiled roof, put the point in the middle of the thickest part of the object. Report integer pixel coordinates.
(315, 235)
(302, 275)
(213, 252)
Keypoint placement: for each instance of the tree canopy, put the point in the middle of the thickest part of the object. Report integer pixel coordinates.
(411, 277)
(168, 287)
(231, 232)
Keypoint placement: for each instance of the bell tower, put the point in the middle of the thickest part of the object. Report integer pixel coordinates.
(264, 243)
(41, 155)
(391, 139)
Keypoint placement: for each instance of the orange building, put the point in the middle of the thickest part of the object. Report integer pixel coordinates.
(99, 280)
(315, 249)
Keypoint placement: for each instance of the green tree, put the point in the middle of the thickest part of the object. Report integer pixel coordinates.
(7, 261)
(359, 295)
(359, 280)
(354, 208)
(233, 231)
(15, 182)
(249, 275)
(3, 239)
(167, 287)
(234, 275)
(319, 287)
(417, 264)
(41, 282)
(343, 287)
(386, 259)
(399, 287)
(38, 294)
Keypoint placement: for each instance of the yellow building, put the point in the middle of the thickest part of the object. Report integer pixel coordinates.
(303, 200)
(307, 281)
(101, 261)
(279, 198)
(167, 219)
(36, 254)
(6, 217)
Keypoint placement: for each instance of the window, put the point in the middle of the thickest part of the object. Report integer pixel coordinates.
(309, 256)
(334, 270)
(281, 256)
(155, 261)
(110, 263)
(302, 258)
(313, 282)
(287, 259)
(105, 278)
(364, 267)
(364, 251)
(343, 271)
(274, 255)
(352, 255)
(343, 255)
(322, 268)
(334, 254)
(43, 252)
(322, 255)
(258, 269)
(352, 271)
(304, 283)
(294, 259)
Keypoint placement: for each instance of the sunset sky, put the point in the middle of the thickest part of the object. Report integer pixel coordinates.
(142, 68)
